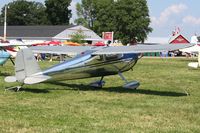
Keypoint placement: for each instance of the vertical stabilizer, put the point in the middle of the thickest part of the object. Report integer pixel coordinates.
(25, 65)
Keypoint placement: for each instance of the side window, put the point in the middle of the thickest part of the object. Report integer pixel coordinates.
(100, 57)
(109, 57)
(113, 56)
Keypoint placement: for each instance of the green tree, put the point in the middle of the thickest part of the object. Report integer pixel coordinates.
(22, 12)
(78, 37)
(105, 18)
(132, 20)
(89, 10)
(86, 13)
(82, 19)
(58, 12)
(129, 19)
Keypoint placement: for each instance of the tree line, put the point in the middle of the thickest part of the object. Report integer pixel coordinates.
(128, 19)
(23, 12)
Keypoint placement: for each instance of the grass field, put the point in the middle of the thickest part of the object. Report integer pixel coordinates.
(159, 105)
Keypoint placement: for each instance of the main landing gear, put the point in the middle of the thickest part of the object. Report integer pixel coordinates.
(98, 84)
(129, 85)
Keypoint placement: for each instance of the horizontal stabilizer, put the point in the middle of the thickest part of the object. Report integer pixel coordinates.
(36, 79)
(10, 79)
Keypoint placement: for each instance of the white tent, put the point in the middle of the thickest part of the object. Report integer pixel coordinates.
(89, 34)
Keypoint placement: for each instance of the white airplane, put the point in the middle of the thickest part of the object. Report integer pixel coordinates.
(194, 50)
(11, 47)
(89, 62)
(6, 50)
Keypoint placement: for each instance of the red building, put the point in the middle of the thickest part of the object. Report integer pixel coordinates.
(178, 38)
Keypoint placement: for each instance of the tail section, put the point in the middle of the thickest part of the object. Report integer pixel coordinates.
(25, 65)
(27, 69)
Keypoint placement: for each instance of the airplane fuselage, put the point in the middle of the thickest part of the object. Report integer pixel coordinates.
(87, 66)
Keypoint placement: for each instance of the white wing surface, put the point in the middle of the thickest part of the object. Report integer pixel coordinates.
(14, 44)
(60, 49)
(140, 48)
(193, 49)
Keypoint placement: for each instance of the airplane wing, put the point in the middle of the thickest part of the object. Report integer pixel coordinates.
(13, 44)
(60, 49)
(193, 49)
(140, 48)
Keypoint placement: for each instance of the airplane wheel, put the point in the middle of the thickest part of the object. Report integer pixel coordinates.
(98, 84)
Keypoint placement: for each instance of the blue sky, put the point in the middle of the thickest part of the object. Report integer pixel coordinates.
(165, 16)
(168, 14)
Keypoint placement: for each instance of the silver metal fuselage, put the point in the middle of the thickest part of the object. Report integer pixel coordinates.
(88, 65)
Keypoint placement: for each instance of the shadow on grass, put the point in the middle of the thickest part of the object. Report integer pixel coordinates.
(4, 74)
(189, 59)
(81, 87)
(34, 90)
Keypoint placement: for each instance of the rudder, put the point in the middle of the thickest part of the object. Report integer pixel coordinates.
(25, 65)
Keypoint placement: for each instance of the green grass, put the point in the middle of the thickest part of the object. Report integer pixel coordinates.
(159, 105)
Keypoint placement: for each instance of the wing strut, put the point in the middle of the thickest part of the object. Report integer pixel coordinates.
(12, 61)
